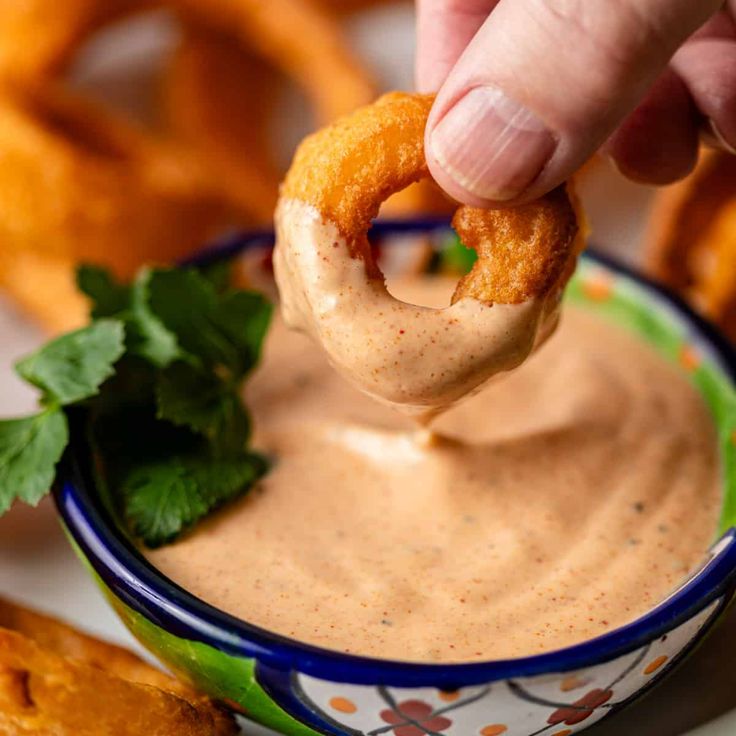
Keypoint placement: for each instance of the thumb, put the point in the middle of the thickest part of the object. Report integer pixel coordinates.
(542, 85)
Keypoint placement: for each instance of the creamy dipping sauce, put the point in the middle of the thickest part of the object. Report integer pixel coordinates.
(417, 360)
(557, 504)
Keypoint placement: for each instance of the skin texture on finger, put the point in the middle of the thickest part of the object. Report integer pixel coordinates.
(707, 65)
(516, 115)
(658, 142)
(444, 29)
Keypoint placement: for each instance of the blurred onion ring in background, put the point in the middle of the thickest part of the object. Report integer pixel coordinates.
(691, 243)
(83, 184)
(219, 99)
(80, 183)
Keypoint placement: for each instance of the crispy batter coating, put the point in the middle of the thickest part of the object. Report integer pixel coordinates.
(297, 37)
(44, 286)
(522, 251)
(78, 182)
(66, 641)
(46, 665)
(691, 243)
(211, 85)
(349, 168)
(218, 99)
(38, 37)
(42, 693)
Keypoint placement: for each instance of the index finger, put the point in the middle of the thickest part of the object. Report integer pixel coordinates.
(444, 29)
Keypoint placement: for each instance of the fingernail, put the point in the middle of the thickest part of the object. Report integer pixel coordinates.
(718, 138)
(491, 145)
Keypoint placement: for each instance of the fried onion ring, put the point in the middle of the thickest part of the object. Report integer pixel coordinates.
(297, 37)
(42, 692)
(217, 98)
(210, 93)
(57, 638)
(78, 182)
(691, 243)
(37, 37)
(419, 359)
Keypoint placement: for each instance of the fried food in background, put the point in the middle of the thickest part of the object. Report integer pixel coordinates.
(219, 99)
(57, 680)
(37, 37)
(80, 184)
(44, 286)
(298, 38)
(691, 243)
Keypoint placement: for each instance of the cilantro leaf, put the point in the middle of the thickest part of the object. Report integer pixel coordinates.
(185, 303)
(163, 498)
(189, 397)
(159, 371)
(74, 366)
(149, 337)
(224, 479)
(109, 297)
(30, 448)
(244, 317)
(220, 330)
(219, 274)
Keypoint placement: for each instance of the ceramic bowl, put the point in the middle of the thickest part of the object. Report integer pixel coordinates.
(303, 690)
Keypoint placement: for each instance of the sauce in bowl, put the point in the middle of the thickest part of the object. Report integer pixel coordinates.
(560, 502)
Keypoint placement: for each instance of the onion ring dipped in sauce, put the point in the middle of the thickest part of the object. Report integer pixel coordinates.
(420, 360)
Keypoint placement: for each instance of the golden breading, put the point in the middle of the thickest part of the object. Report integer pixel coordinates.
(45, 287)
(348, 169)
(44, 694)
(60, 638)
(296, 37)
(682, 218)
(691, 243)
(37, 37)
(218, 100)
(45, 663)
(522, 251)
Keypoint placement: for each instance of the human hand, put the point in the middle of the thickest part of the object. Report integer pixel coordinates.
(529, 89)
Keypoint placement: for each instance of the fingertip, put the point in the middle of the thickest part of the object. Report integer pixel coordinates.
(658, 142)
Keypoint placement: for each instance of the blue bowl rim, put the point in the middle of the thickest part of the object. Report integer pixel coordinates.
(135, 581)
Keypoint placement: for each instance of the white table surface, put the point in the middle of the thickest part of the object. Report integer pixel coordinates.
(38, 567)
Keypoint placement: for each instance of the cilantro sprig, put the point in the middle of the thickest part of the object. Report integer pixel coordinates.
(159, 371)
